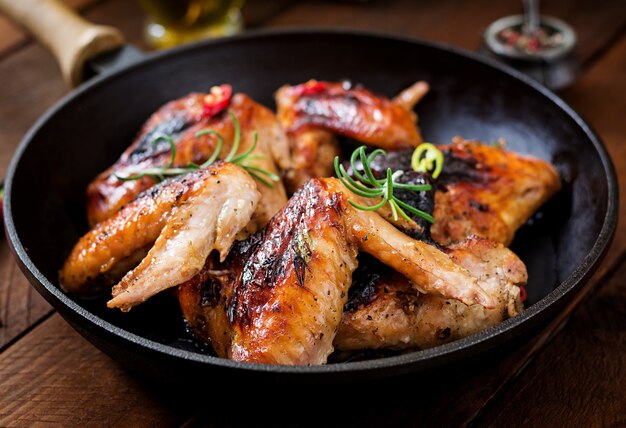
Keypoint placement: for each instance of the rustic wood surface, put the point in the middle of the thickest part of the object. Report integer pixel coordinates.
(573, 375)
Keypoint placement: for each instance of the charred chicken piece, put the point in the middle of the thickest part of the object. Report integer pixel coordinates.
(280, 296)
(483, 190)
(182, 119)
(278, 299)
(315, 112)
(186, 216)
(385, 312)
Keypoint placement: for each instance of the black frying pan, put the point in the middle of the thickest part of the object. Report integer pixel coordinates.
(470, 96)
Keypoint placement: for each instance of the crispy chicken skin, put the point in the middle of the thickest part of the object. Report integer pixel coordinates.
(279, 296)
(284, 289)
(94, 261)
(504, 191)
(210, 219)
(182, 119)
(313, 113)
(384, 312)
(483, 189)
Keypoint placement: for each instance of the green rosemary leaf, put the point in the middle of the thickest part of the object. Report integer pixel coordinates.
(218, 148)
(353, 185)
(368, 207)
(365, 184)
(172, 144)
(159, 173)
(237, 139)
(262, 171)
(245, 154)
(260, 179)
(415, 211)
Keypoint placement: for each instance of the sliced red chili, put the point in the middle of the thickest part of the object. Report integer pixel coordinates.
(522, 293)
(216, 100)
(311, 87)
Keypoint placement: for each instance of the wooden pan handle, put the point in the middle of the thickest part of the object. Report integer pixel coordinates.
(70, 38)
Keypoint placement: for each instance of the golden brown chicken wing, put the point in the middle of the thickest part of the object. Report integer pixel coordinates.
(483, 189)
(313, 113)
(181, 120)
(501, 191)
(384, 312)
(187, 217)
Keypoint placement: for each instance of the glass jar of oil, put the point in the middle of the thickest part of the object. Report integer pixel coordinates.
(173, 22)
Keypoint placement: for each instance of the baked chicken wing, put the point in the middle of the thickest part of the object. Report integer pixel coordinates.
(172, 227)
(483, 189)
(315, 112)
(385, 312)
(181, 120)
(280, 295)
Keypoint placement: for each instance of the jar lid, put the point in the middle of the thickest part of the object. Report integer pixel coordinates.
(553, 39)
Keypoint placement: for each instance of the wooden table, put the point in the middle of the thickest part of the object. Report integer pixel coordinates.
(573, 376)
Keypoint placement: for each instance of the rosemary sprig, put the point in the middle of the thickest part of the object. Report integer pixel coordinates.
(368, 186)
(159, 173)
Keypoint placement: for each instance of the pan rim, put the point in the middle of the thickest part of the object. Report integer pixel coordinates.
(431, 357)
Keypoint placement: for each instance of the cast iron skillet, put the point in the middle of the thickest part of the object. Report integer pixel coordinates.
(470, 96)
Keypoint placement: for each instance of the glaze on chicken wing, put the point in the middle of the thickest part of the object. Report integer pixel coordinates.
(483, 189)
(502, 191)
(189, 215)
(313, 113)
(283, 290)
(182, 119)
(279, 296)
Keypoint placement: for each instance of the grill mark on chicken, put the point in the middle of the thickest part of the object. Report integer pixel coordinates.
(462, 167)
(365, 280)
(173, 126)
(284, 251)
(350, 110)
(458, 166)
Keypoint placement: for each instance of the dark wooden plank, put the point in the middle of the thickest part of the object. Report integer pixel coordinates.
(35, 85)
(579, 378)
(20, 305)
(55, 377)
(257, 12)
(595, 24)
